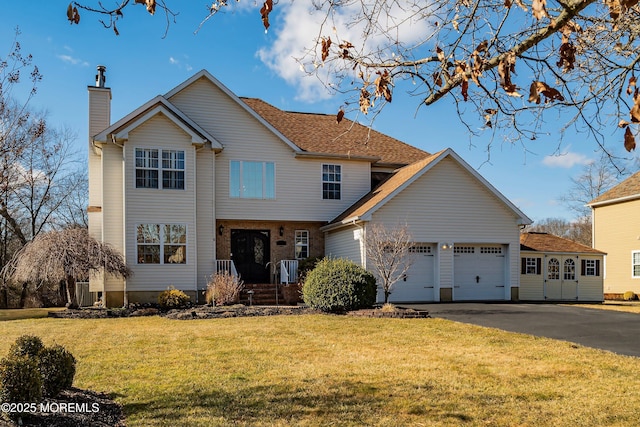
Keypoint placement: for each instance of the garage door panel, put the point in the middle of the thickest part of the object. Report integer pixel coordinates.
(479, 272)
(418, 285)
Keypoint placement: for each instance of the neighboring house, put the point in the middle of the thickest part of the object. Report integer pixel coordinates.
(199, 180)
(616, 230)
(556, 269)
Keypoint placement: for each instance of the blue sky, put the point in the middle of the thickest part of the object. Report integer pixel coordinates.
(236, 50)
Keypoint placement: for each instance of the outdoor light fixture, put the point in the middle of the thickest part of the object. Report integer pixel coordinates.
(220, 229)
(281, 230)
(446, 246)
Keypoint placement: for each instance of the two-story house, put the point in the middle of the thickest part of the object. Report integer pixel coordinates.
(199, 180)
(616, 231)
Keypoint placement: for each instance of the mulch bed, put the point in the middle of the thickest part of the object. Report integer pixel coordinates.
(74, 408)
(239, 310)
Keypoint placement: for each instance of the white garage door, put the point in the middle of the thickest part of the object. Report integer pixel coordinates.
(418, 284)
(479, 272)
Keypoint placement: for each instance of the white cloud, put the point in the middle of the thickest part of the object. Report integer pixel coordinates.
(566, 160)
(73, 61)
(178, 63)
(300, 30)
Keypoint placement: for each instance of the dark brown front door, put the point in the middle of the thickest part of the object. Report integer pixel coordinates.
(250, 251)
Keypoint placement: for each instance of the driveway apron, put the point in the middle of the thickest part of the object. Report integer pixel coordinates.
(610, 330)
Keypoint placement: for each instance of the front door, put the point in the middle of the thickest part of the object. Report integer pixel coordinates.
(250, 252)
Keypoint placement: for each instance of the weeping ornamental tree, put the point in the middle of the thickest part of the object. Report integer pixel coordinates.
(67, 255)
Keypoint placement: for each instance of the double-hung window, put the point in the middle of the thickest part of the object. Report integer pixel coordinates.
(153, 173)
(331, 182)
(635, 264)
(162, 243)
(252, 180)
(302, 244)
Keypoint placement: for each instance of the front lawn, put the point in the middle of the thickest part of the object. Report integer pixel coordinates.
(313, 370)
(26, 313)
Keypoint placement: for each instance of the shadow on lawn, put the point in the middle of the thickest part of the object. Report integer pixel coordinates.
(350, 402)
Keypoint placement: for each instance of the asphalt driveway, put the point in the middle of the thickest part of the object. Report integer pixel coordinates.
(604, 329)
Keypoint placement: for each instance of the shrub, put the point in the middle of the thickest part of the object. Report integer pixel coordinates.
(337, 285)
(20, 380)
(305, 266)
(26, 345)
(629, 296)
(223, 289)
(173, 298)
(57, 369)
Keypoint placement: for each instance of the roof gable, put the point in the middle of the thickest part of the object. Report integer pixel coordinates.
(158, 105)
(629, 189)
(374, 200)
(545, 242)
(204, 74)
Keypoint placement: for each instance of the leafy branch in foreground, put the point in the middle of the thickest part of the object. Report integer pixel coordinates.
(503, 63)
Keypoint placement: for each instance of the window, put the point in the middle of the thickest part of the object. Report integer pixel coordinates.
(464, 250)
(553, 269)
(331, 182)
(252, 180)
(531, 265)
(569, 269)
(490, 250)
(146, 168)
(590, 267)
(162, 244)
(149, 169)
(302, 244)
(635, 264)
(173, 169)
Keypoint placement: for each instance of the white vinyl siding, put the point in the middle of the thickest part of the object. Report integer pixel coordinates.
(297, 180)
(161, 206)
(447, 204)
(346, 243)
(112, 211)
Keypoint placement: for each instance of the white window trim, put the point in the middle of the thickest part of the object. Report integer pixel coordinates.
(159, 169)
(264, 181)
(593, 268)
(162, 244)
(322, 181)
(531, 262)
(306, 232)
(632, 271)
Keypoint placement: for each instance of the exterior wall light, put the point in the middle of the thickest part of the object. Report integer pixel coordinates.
(220, 229)
(281, 230)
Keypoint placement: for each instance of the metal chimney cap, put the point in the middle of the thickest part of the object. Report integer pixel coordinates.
(100, 77)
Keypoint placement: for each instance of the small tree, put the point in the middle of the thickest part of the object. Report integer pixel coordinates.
(66, 255)
(388, 254)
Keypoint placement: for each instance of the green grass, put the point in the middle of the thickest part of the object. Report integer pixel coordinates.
(333, 370)
(25, 313)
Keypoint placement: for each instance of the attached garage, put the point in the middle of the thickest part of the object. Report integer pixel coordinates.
(557, 269)
(479, 272)
(466, 233)
(418, 284)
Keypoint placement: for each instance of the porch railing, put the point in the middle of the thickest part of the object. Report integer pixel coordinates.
(226, 266)
(288, 271)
